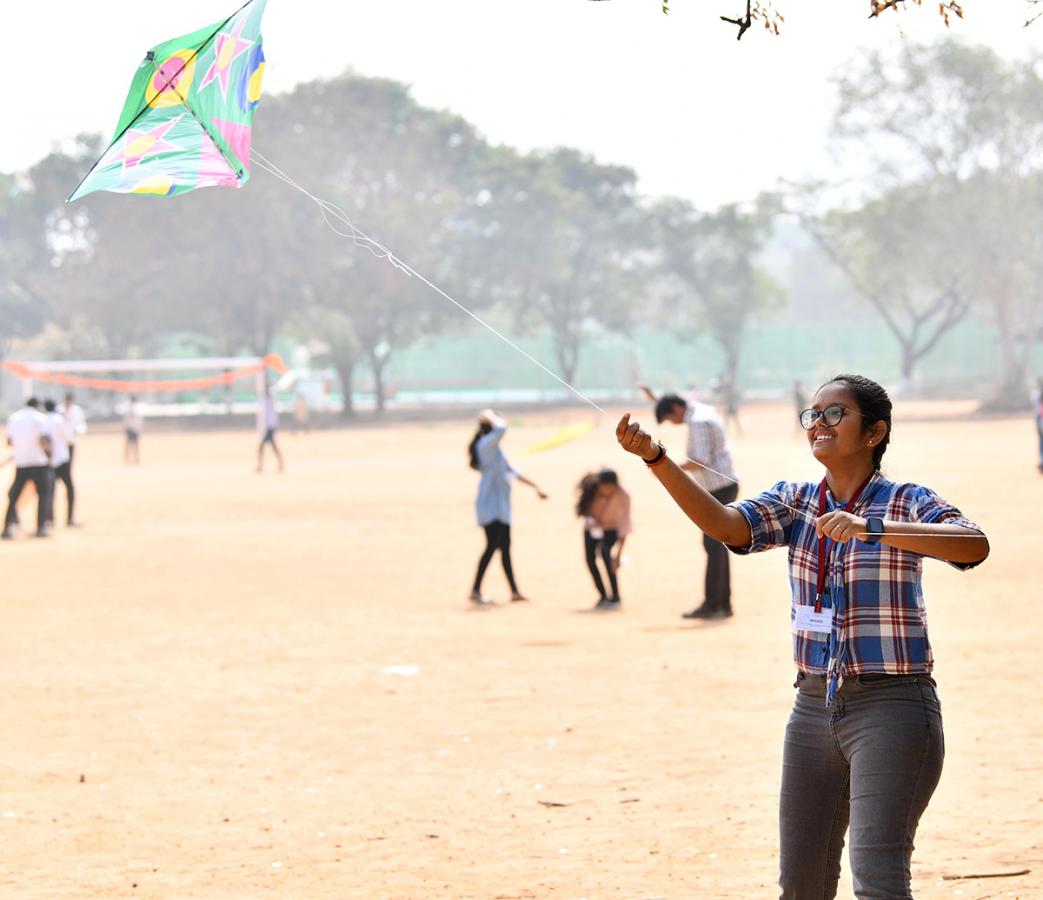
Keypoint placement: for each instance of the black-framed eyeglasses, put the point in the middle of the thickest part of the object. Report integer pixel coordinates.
(830, 416)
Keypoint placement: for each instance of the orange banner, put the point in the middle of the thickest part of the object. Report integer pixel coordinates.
(20, 370)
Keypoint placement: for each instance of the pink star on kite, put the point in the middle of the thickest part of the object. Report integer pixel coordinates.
(228, 47)
(140, 144)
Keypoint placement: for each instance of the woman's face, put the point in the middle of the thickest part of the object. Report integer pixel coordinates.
(847, 440)
(607, 490)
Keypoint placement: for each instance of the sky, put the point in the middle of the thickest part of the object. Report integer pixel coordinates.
(695, 113)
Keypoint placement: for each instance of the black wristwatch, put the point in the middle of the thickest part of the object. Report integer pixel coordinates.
(875, 529)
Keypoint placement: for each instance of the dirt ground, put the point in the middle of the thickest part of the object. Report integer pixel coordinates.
(231, 685)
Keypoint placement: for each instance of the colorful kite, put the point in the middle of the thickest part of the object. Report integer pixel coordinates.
(187, 120)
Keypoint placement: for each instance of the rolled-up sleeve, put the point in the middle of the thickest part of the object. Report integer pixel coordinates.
(927, 508)
(770, 519)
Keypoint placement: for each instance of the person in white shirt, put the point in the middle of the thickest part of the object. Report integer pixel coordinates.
(709, 463)
(133, 419)
(77, 423)
(29, 436)
(61, 437)
(267, 425)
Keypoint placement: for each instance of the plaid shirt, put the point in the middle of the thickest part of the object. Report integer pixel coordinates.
(879, 620)
(708, 444)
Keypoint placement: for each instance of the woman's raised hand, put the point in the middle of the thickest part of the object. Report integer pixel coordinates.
(632, 439)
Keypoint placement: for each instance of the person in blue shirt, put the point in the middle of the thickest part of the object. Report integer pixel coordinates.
(493, 505)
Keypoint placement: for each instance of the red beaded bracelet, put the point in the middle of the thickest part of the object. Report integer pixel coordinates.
(660, 456)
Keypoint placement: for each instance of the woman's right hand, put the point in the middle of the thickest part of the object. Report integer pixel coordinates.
(632, 439)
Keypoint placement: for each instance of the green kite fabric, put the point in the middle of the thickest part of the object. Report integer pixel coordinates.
(187, 122)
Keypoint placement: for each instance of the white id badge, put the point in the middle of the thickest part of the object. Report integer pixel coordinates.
(809, 620)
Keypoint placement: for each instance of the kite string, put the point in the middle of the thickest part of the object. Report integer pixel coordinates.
(362, 240)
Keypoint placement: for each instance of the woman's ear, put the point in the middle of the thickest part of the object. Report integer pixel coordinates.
(877, 433)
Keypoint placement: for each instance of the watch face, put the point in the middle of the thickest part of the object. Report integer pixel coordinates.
(875, 527)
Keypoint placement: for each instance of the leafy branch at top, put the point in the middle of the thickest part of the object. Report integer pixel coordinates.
(757, 11)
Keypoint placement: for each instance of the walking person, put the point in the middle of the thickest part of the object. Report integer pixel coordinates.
(267, 425)
(29, 436)
(133, 422)
(61, 437)
(709, 462)
(605, 509)
(77, 419)
(864, 746)
(493, 505)
(77, 426)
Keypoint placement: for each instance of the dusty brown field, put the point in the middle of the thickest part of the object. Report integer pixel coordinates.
(194, 703)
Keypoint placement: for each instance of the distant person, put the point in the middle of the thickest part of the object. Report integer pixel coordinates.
(864, 744)
(493, 505)
(29, 436)
(709, 463)
(1039, 420)
(605, 509)
(61, 438)
(268, 425)
(77, 422)
(133, 422)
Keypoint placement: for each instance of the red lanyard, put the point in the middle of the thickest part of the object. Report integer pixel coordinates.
(822, 540)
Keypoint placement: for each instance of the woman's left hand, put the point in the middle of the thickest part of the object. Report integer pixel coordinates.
(841, 526)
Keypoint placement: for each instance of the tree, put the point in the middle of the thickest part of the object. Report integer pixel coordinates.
(709, 274)
(32, 244)
(563, 245)
(909, 255)
(405, 172)
(21, 310)
(241, 261)
(1007, 231)
(972, 124)
(335, 331)
(109, 281)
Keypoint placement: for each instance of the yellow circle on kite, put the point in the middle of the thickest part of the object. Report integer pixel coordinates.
(253, 90)
(160, 185)
(170, 82)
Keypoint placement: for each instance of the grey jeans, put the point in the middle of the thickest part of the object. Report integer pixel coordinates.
(870, 762)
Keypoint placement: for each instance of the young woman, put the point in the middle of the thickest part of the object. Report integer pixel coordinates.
(494, 499)
(605, 509)
(863, 747)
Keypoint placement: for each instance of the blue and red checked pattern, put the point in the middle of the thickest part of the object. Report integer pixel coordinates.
(876, 591)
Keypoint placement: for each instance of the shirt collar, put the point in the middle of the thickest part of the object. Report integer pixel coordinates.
(868, 492)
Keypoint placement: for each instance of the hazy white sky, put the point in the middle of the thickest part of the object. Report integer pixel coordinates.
(675, 97)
